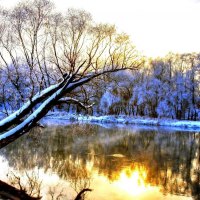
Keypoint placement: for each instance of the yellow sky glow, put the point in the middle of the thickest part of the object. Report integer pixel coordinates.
(155, 26)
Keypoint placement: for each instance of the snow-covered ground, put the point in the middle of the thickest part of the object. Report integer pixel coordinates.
(62, 118)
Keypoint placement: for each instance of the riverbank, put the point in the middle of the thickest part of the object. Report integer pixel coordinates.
(62, 118)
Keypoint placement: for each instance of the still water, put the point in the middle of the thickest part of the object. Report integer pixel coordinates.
(130, 162)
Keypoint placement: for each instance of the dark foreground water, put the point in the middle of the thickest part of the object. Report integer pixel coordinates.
(118, 163)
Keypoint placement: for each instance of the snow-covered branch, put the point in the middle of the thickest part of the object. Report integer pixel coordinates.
(40, 112)
(56, 93)
(27, 107)
(69, 100)
(27, 124)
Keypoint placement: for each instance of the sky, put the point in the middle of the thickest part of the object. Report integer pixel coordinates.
(156, 27)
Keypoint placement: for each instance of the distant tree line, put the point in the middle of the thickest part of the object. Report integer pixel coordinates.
(164, 87)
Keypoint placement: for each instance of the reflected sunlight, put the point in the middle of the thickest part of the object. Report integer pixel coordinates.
(134, 181)
(112, 170)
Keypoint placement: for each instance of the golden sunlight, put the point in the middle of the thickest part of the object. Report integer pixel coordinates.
(134, 181)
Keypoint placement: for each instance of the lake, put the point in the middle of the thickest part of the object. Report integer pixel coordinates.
(116, 162)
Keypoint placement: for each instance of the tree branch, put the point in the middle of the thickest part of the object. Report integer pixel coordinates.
(81, 193)
(42, 110)
(10, 192)
(27, 107)
(69, 100)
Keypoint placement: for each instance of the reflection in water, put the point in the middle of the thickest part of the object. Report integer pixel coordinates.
(30, 182)
(133, 181)
(118, 163)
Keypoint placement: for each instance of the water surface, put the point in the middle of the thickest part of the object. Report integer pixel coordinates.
(130, 162)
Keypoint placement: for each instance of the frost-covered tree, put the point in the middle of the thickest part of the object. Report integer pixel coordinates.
(164, 87)
(168, 88)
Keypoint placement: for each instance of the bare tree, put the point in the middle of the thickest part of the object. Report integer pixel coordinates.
(72, 46)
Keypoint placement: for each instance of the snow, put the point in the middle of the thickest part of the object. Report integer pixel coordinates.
(63, 118)
(107, 100)
(32, 116)
(26, 105)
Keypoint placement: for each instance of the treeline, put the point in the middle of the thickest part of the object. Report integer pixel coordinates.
(165, 87)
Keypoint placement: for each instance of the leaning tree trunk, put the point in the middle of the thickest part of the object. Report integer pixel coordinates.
(27, 107)
(44, 107)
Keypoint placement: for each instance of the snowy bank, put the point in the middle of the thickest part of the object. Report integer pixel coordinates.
(62, 118)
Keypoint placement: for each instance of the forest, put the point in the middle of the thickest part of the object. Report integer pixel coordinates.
(166, 87)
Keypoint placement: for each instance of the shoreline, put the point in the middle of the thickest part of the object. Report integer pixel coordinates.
(62, 118)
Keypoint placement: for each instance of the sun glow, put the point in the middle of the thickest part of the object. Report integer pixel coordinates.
(133, 181)
(156, 27)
